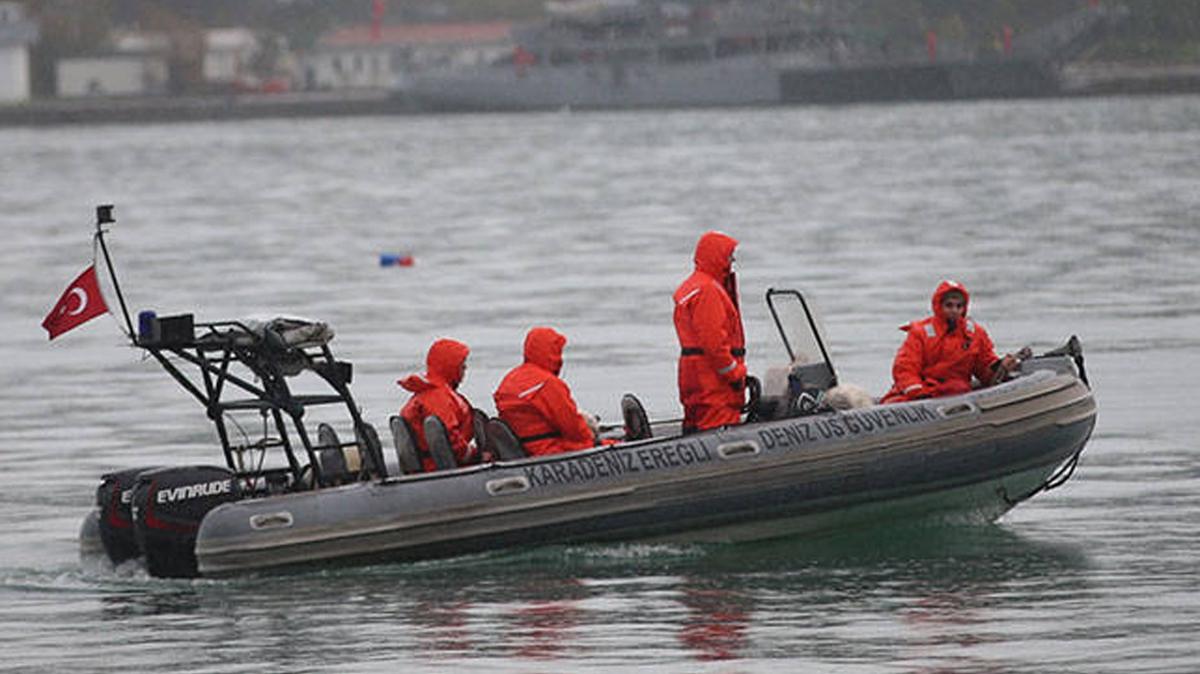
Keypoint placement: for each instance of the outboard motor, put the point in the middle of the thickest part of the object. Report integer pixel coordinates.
(113, 499)
(168, 506)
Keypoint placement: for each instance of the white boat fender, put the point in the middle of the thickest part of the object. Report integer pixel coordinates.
(848, 397)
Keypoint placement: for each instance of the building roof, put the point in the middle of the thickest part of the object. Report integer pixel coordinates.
(230, 39)
(140, 42)
(419, 34)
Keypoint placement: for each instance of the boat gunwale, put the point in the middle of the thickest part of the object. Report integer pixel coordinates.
(823, 505)
(900, 439)
(779, 466)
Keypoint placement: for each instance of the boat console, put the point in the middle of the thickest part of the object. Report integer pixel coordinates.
(798, 387)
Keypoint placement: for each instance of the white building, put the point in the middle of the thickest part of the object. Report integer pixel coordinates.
(16, 34)
(136, 66)
(136, 63)
(117, 75)
(228, 54)
(375, 58)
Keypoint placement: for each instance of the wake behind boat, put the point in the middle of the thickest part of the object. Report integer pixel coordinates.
(294, 497)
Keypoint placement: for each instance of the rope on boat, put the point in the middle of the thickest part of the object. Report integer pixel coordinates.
(1058, 479)
(1072, 349)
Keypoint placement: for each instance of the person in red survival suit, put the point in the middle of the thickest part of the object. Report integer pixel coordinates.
(435, 392)
(944, 351)
(537, 405)
(712, 361)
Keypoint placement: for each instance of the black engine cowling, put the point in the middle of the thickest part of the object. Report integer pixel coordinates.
(113, 498)
(167, 508)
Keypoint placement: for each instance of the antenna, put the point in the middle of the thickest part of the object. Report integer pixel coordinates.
(104, 216)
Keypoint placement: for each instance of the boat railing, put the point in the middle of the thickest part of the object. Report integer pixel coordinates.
(559, 48)
(215, 361)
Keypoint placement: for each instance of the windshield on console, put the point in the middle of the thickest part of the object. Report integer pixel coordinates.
(800, 330)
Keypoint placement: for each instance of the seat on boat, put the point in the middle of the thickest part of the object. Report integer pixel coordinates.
(504, 443)
(438, 440)
(369, 444)
(406, 446)
(479, 419)
(637, 424)
(334, 468)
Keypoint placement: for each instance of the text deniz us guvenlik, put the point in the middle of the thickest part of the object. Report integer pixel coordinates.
(687, 452)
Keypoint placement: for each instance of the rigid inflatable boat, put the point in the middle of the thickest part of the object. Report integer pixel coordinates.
(796, 466)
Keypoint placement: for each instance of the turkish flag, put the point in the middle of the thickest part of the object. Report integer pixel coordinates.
(80, 303)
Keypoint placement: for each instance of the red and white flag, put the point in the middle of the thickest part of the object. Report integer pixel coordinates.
(80, 303)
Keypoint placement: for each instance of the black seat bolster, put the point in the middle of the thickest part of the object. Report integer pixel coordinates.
(406, 445)
(479, 420)
(370, 445)
(637, 424)
(329, 453)
(504, 442)
(439, 443)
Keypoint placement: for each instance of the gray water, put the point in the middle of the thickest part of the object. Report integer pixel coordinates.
(1064, 217)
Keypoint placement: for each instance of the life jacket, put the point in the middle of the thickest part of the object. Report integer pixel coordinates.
(938, 358)
(708, 323)
(536, 404)
(435, 394)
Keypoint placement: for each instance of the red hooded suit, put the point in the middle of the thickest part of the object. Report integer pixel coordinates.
(434, 393)
(537, 405)
(938, 359)
(712, 364)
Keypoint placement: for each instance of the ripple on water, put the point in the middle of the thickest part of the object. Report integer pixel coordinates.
(1063, 217)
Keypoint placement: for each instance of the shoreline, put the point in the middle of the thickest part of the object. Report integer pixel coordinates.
(1075, 80)
(1103, 79)
(133, 110)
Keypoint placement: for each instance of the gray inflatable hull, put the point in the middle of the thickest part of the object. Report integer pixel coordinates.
(968, 457)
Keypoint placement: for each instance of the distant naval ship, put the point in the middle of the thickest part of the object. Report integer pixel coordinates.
(591, 54)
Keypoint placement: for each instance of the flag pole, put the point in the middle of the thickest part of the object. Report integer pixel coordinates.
(104, 217)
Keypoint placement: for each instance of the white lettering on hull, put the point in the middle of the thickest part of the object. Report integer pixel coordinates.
(191, 491)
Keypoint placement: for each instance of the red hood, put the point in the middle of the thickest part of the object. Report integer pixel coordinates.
(945, 287)
(443, 366)
(544, 347)
(713, 251)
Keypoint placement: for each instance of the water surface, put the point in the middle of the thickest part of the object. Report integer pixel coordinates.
(1064, 217)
